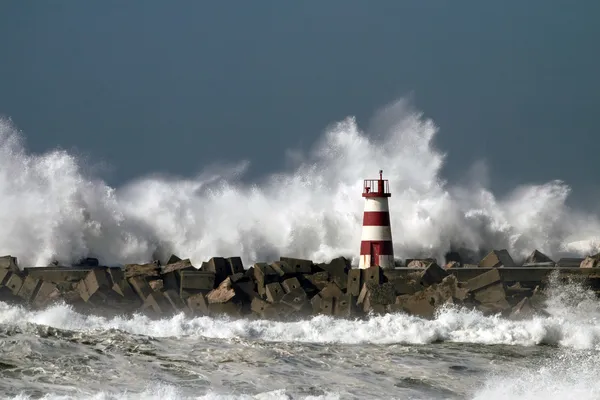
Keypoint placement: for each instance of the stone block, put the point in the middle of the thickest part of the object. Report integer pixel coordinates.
(569, 262)
(46, 293)
(538, 257)
(497, 259)
(486, 279)
(491, 294)
(343, 306)
(9, 263)
(14, 283)
(282, 268)
(299, 266)
(319, 279)
(174, 300)
(264, 274)
(403, 285)
(338, 271)
(332, 290)
(58, 275)
(173, 259)
(145, 270)
(291, 284)
(196, 280)
(140, 287)
(274, 292)
(432, 274)
(591, 262)
(177, 265)
(219, 266)
(418, 304)
(235, 265)
(222, 294)
(354, 282)
(295, 299)
(156, 303)
(197, 304)
(29, 288)
(118, 283)
(418, 263)
(373, 275)
(4, 275)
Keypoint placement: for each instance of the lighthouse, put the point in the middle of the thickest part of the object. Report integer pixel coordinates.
(376, 240)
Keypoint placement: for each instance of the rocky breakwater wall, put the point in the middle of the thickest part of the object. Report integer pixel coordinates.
(287, 289)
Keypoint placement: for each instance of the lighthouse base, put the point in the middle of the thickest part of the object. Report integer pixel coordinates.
(384, 261)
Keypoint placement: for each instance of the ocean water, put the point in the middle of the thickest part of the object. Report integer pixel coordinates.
(57, 353)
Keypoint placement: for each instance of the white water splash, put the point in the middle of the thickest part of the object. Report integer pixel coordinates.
(50, 210)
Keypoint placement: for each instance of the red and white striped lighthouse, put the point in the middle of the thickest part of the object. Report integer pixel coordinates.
(376, 242)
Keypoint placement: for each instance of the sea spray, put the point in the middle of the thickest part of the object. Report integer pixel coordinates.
(51, 210)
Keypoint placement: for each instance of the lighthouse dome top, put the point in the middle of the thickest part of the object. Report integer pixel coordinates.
(376, 187)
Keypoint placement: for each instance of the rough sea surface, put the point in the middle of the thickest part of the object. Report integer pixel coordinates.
(57, 353)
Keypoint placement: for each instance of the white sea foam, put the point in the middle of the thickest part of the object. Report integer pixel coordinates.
(169, 392)
(574, 322)
(49, 209)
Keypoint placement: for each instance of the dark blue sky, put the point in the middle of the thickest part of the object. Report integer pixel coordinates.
(148, 86)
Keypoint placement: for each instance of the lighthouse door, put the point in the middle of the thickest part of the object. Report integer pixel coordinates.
(375, 252)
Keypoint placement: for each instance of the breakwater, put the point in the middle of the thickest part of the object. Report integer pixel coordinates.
(294, 288)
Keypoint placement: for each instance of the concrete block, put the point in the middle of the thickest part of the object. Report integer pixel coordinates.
(590, 262)
(486, 279)
(332, 290)
(417, 263)
(491, 294)
(343, 306)
(432, 274)
(299, 265)
(219, 266)
(156, 303)
(29, 288)
(46, 293)
(338, 271)
(156, 285)
(417, 304)
(14, 283)
(327, 306)
(282, 268)
(118, 283)
(58, 275)
(140, 287)
(197, 304)
(373, 275)
(177, 265)
(145, 270)
(196, 280)
(174, 300)
(235, 265)
(222, 294)
(9, 263)
(264, 274)
(296, 299)
(291, 284)
(354, 282)
(404, 285)
(4, 275)
(319, 279)
(538, 257)
(497, 259)
(274, 292)
(173, 259)
(569, 262)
